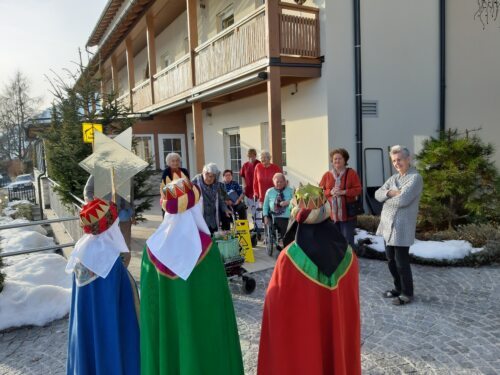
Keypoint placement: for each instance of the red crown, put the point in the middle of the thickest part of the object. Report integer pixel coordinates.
(180, 196)
(97, 216)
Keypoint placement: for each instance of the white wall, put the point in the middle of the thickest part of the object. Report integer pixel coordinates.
(171, 41)
(473, 79)
(304, 114)
(140, 62)
(400, 59)
(207, 17)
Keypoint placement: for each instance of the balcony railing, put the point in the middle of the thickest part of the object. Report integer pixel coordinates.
(124, 100)
(173, 80)
(299, 34)
(239, 45)
(141, 96)
(242, 45)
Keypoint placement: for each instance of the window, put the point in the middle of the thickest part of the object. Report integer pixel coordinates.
(234, 152)
(144, 146)
(171, 143)
(225, 18)
(165, 60)
(264, 138)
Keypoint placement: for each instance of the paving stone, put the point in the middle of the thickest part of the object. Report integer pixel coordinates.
(450, 328)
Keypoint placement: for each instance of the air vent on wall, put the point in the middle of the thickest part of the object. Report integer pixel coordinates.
(370, 108)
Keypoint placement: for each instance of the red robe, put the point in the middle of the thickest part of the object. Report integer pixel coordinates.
(311, 323)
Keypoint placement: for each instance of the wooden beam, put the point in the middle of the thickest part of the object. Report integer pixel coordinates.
(114, 74)
(151, 45)
(274, 113)
(198, 136)
(130, 69)
(103, 88)
(273, 28)
(192, 19)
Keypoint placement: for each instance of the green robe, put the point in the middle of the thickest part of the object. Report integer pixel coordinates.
(188, 327)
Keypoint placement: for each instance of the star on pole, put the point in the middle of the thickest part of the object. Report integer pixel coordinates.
(113, 165)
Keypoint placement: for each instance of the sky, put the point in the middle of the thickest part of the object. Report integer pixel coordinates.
(37, 36)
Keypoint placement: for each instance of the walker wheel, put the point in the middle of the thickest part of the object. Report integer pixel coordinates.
(248, 284)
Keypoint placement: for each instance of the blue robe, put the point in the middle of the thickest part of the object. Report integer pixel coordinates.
(103, 326)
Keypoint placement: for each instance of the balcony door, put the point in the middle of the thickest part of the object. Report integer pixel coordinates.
(172, 143)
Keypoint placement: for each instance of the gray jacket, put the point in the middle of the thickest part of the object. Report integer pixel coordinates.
(399, 214)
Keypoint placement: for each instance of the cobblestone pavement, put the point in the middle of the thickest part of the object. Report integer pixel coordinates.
(453, 326)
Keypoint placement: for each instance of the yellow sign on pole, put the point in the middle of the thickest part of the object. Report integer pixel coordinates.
(243, 231)
(88, 131)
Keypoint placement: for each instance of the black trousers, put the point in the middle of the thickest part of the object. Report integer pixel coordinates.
(399, 266)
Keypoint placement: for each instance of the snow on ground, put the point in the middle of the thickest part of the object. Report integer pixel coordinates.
(37, 289)
(11, 206)
(452, 249)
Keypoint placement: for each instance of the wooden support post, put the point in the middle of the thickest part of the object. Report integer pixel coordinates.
(130, 70)
(114, 75)
(274, 80)
(274, 114)
(198, 136)
(150, 38)
(192, 18)
(103, 82)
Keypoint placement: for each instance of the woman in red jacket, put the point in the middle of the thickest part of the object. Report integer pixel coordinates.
(341, 186)
(263, 176)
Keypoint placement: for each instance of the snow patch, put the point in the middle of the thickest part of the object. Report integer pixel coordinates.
(37, 291)
(452, 249)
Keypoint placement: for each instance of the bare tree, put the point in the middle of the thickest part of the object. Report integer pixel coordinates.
(17, 108)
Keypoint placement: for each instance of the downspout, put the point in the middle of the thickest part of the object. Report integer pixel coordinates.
(358, 91)
(442, 65)
(40, 182)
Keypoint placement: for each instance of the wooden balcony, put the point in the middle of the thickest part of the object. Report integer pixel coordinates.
(239, 45)
(124, 100)
(235, 52)
(141, 96)
(173, 80)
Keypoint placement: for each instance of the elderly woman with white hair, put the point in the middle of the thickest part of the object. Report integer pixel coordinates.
(214, 196)
(263, 176)
(173, 171)
(400, 195)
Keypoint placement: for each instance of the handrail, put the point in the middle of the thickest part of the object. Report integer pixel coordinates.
(141, 85)
(298, 8)
(172, 66)
(38, 222)
(35, 250)
(254, 14)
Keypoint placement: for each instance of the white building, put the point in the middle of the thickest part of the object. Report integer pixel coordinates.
(213, 74)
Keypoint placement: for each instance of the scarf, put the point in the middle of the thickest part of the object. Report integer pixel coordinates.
(278, 209)
(337, 201)
(211, 196)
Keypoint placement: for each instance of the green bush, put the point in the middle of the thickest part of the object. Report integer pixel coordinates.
(368, 222)
(460, 182)
(23, 211)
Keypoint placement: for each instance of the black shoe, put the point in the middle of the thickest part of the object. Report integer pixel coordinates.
(391, 293)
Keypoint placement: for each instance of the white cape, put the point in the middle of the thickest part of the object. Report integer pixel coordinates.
(176, 243)
(98, 252)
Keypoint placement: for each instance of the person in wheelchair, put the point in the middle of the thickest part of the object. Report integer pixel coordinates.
(235, 194)
(276, 207)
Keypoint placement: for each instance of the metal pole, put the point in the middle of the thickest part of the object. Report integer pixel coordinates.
(35, 250)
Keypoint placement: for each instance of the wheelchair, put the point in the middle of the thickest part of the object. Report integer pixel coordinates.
(273, 234)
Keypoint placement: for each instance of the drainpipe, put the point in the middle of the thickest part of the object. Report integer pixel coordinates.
(40, 184)
(357, 84)
(442, 65)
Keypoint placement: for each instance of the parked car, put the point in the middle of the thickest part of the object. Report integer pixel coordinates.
(22, 182)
